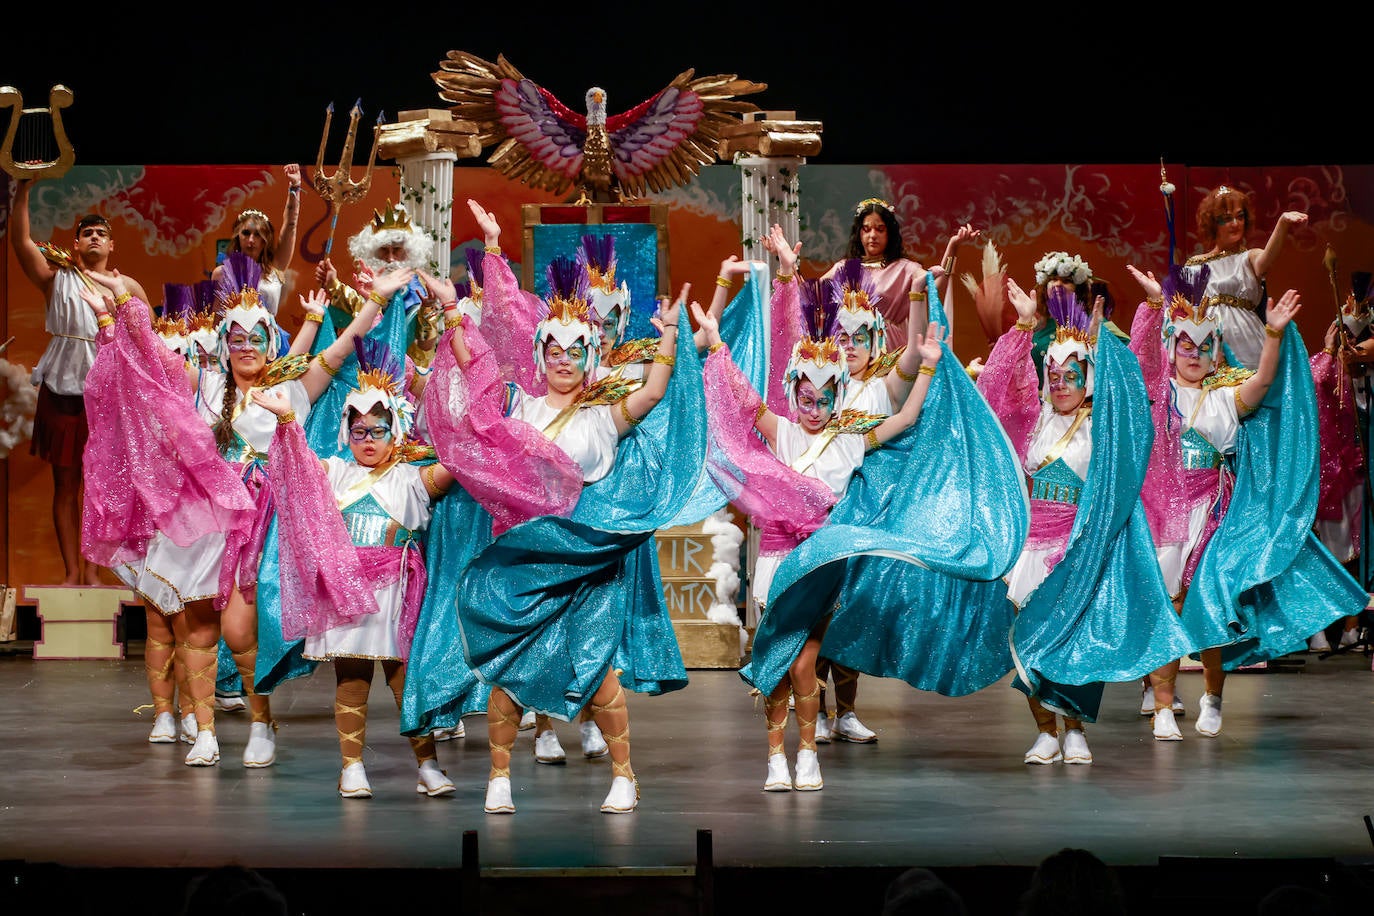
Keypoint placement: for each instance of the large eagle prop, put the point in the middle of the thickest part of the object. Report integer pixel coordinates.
(657, 145)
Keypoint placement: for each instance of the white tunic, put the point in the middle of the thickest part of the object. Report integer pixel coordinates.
(1233, 286)
(256, 425)
(401, 493)
(71, 351)
(870, 396)
(1030, 569)
(589, 438)
(269, 288)
(1212, 412)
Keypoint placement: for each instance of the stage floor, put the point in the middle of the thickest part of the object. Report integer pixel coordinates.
(943, 787)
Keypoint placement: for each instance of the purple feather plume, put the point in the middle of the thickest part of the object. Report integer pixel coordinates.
(178, 300)
(476, 274)
(205, 296)
(567, 279)
(1066, 310)
(598, 251)
(818, 306)
(1177, 283)
(240, 272)
(375, 354)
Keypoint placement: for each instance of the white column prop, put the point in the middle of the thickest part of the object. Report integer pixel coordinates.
(725, 540)
(427, 189)
(768, 195)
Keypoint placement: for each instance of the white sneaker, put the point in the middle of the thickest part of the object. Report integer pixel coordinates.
(353, 782)
(1318, 642)
(1076, 747)
(1045, 750)
(593, 743)
(779, 778)
(1166, 727)
(848, 728)
(1209, 716)
(189, 728)
(1179, 708)
(205, 752)
(230, 703)
(450, 734)
(808, 772)
(261, 750)
(547, 749)
(822, 730)
(623, 797)
(1147, 701)
(527, 720)
(498, 796)
(433, 781)
(164, 729)
(1350, 638)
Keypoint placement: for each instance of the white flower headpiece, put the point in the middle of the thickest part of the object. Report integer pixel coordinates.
(1063, 266)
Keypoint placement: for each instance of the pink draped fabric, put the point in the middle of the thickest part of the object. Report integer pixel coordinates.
(151, 459)
(894, 283)
(507, 465)
(509, 318)
(1212, 486)
(1051, 523)
(785, 329)
(789, 504)
(1342, 458)
(323, 584)
(385, 565)
(243, 547)
(1164, 491)
(1012, 390)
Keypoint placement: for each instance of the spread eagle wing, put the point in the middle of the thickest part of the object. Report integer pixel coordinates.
(539, 140)
(664, 141)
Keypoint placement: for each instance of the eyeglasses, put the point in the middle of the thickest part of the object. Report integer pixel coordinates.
(572, 355)
(808, 404)
(375, 433)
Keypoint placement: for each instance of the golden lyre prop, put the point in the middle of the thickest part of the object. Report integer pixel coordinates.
(340, 188)
(32, 147)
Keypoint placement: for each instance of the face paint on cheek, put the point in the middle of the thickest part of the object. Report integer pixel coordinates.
(1072, 377)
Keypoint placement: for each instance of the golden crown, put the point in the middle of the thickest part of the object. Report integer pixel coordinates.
(873, 201)
(390, 218)
(203, 321)
(568, 311)
(378, 380)
(602, 281)
(1180, 309)
(168, 327)
(824, 350)
(246, 298)
(855, 300)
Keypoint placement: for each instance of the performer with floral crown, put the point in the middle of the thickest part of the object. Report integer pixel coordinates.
(1232, 489)
(353, 573)
(575, 480)
(1341, 382)
(255, 236)
(789, 486)
(1090, 604)
(227, 571)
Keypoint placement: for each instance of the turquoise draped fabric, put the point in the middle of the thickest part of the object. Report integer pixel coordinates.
(279, 660)
(551, 604)
(1264, 582)
(1103, 613)
(909, 563)
(227, 679)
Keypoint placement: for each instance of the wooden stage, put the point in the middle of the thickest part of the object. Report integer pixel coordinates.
(91, 815)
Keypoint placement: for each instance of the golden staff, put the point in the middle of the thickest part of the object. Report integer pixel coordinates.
(59, 97)
(340, 188)
(1329, 262)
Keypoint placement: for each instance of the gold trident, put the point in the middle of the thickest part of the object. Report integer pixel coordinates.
(59, 97)
(340, 188)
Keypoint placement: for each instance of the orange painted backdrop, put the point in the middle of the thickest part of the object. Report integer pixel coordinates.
(169, 220)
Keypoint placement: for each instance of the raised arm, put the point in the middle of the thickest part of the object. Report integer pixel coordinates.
(766, 422)
(323, 367)
(286, 240)
(964, 235)
(637, 406)
(31, 260)
(731, 268)
(928, 346)
(1252, 391)
(1261, 259)
(1146, 334)
(314, 315)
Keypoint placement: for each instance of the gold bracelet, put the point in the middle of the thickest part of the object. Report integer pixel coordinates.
(312, 316)
(1329, 351)
(492, 249)
(1271, 332)
(630, 420)
(665, 359)
(319, 358)
(1155, 302)
(914, 296)
(123, 298)
(724, 283)
(871, 439)
(715, 346)
(375, 297)
(903, 376)
(926, 370)
(104, 321)
(948, 265)
(785, 278)
(285, 418)
(428, 475)
(758, 414)
(1025, 325)
(454, 320)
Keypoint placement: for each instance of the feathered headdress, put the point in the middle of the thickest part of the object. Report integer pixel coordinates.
(570, 320)
(1185, 313)
(202, 323)
(1071, 338)
(609, 302)
(237, 297)
(856, 304)
(470, 291)
(178, 299)
(816, 357)
(1355, 311)
(381, 383)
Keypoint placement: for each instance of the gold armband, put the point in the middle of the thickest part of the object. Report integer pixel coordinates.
(311, 316)
(903, 376)
(492, 249)
(375, 297)
(1155, 302)
(926, 370)
(785, 278)
(1241, 406)
(285, 418)
(724, 283)
(715, 346)
(1271, 332)
(104, 321)
(630, 419)
(665, 359)
(1025, 325)
(323, 364)
(871, 440)
(430, 485)
(758, 414)
(123, 298)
